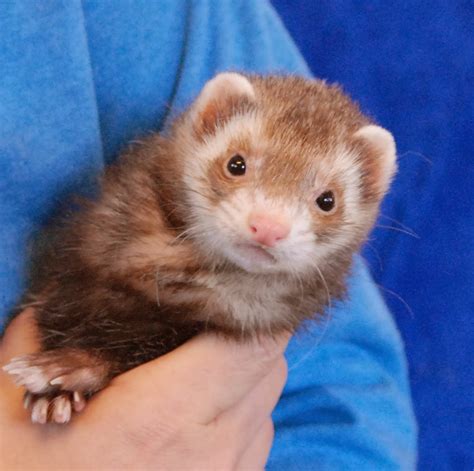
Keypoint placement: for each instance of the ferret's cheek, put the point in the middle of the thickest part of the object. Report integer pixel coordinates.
(301, 257)
(232, 214)
(325, 226)
(221, 226)
(297, 249)
(220, 184)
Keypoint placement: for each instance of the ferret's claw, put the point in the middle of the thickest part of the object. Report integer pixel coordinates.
(57, 383)
(27, 400)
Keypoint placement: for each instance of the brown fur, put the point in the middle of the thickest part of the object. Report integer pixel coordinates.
(125, 287)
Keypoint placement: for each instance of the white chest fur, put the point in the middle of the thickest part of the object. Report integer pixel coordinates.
(250, 300)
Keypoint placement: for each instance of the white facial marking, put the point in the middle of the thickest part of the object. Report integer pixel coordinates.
(218, 143)
(344, 168)
(223, 230)
(230, 234)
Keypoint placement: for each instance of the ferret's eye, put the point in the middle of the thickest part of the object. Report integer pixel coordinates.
(236, 165)
(326, 201)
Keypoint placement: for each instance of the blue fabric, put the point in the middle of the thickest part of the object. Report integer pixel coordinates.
(411, 64)
(79, 80)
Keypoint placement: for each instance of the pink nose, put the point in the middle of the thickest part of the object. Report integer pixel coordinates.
(267, 230)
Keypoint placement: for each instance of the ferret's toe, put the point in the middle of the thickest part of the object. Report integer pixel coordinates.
(61, 409)
(39, 410)
(26, 374)
(56, 408)
(57, 383)
(47, 372)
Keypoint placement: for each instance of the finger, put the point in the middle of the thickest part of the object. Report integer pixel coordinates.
(256, 455)
(207, 375)
(20, 337)
(247, 417)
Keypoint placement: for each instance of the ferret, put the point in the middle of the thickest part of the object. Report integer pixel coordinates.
(241, 218)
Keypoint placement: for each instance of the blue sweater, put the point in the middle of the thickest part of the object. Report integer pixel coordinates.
(80, 79)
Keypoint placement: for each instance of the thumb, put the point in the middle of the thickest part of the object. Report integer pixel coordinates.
(20, 337)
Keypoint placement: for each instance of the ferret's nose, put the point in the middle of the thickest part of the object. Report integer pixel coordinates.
(267, 230)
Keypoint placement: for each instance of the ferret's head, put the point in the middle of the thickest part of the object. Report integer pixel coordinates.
(281, 174)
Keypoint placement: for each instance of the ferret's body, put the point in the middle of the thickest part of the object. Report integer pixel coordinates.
(242, 219)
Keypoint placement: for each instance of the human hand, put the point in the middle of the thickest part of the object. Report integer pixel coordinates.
(206, 405)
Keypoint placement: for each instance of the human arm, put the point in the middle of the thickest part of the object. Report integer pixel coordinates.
(205, 405)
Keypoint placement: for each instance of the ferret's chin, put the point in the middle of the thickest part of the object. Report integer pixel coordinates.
(252, 258)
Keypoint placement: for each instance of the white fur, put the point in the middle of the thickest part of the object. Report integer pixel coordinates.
(228, 227)
(227, 84)
(384, 144)
(61, 409)
(343, 167)
(79, 402)
(253, 301)
(381, 139)
(214, 145)
(31, 377)
(39, 411)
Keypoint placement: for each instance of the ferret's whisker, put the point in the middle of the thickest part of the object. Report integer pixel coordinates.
(376, 253)
(403, 226)
(397, 229)
(326, 325)
(397, 296)
(416, 154)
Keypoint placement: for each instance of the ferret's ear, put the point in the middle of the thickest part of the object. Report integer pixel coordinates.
(220, 98)
(378, 159)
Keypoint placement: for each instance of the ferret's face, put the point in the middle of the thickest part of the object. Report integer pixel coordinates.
(273, 186)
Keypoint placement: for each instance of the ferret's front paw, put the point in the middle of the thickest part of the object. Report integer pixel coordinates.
(53, 407)
(34, 372)
(57, 382)
(48, 371)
